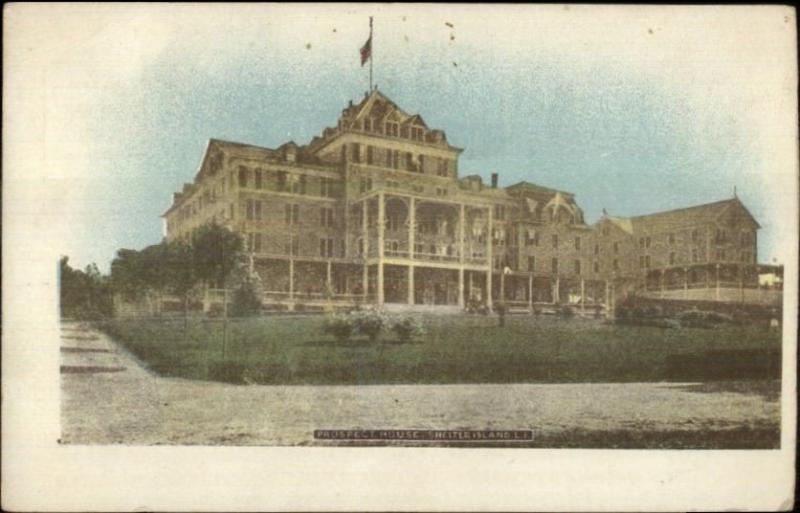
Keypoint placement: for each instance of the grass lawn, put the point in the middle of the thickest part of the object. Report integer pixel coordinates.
(455, 349)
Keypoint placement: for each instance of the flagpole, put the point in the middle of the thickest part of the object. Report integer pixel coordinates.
(371, 54)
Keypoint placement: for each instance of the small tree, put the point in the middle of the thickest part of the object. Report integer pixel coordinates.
(407, 329)
(246, 301)
(369, 323)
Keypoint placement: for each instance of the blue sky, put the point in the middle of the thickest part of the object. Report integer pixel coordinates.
(633, 127)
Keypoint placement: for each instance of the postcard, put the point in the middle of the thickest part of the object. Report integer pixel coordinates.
(399, 257)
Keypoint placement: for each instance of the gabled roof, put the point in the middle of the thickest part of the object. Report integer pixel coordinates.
(671, 219)
(523, 185)
(697, 214)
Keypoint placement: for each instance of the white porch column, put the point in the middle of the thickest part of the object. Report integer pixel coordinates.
(365, 245)
(461, 287)
(557, 291)
(583, 296)
(530, 292)
(291, 279)
(489, 258)
(381, 229)
(410, 284)
(686, 283)
(412, 222)
(461, 219)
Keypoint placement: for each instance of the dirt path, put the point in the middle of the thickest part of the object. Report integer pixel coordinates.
(108, 397)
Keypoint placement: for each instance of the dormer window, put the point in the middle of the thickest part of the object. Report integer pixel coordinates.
(392, 129)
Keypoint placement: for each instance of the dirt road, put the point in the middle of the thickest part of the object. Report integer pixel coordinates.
(109, 398)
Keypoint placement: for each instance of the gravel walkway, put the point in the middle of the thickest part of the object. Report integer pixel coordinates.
(108, 398)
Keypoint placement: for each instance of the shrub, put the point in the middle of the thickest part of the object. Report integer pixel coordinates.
(407, 329)
(340, 326)
(369, 323)
(245, 300)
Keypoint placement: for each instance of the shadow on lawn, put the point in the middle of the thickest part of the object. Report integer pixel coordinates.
(360, 342)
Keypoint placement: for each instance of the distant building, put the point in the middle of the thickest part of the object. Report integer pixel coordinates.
(374, 211)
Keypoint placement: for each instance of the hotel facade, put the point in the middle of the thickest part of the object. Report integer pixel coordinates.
(374, 211)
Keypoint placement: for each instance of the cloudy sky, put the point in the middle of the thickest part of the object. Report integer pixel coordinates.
(635, 110)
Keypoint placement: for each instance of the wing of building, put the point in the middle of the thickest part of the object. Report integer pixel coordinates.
(373, 210)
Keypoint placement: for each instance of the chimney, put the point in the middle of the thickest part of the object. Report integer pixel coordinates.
(494, 180)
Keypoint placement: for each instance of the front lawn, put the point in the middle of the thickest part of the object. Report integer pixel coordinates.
(455, 349)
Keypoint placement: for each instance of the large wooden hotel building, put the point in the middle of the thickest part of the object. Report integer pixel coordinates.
(374, 211)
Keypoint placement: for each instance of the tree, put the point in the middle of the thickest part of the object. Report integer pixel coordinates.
(180, 272)
(84, 294)
(217, 251)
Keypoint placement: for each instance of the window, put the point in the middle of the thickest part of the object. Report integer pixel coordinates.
(616, 248)
(325, 187)
(418, 188)
(695, 235)
(531, 263)
(641, 261)
(744, 238)
(500, 212)
(615, 265)
(606, 231)
(291, 247)
(292, 213)
(443, 168)
(326, 217)
(367, 124)
(259, 183)
(577, 267)
(671, 239)
(441, 191)
(672, 258)
(254, 242)
(554, 265)
(532, 238)
(695, 256)
(394, 159)
(577, 243)
(242, 176)
(365, 184)
(326, 247)
(392, 129)
(597, 249)
(596, 266)
(421, 164)
(555, 241)
(249, 210)
(299, 184)
(647, 261)
(370, 155)
(356, 152)
(283, 181)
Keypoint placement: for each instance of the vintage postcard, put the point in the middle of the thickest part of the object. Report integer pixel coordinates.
(383, 257)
